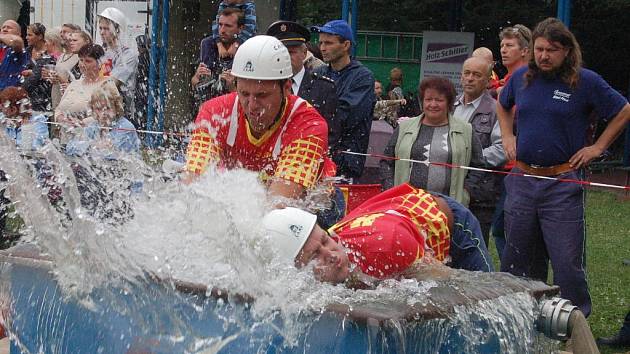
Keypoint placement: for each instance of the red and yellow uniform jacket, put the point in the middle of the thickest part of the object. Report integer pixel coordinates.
(392, 230)
(293, 149)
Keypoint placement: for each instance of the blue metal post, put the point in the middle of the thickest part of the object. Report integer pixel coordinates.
(564, 12)
(153, 62)
(345, 9)
(353, 24)
(163, 66)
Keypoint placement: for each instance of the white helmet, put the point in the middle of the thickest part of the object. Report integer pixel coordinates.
(116, 16)
(262, 58)
(289, 228)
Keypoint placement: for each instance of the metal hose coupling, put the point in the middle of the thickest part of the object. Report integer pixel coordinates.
(553, 321)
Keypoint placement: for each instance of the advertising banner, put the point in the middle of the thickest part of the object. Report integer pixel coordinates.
(444, 53)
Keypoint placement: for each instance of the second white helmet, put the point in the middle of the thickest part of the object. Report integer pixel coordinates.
(116, 16)
(262, 58)
(289, 228)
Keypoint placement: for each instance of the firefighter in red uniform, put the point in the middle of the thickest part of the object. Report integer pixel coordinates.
(262, 126)
(383, 238)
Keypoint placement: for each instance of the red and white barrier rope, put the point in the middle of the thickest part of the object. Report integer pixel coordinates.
(164, 133)
(443, 164)
(450, 165)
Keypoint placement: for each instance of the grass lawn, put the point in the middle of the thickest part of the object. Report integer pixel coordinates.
(608, 244)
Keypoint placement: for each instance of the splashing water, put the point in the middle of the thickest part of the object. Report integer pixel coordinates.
(208, 233)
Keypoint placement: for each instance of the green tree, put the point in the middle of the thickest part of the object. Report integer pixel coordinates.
(601, 28)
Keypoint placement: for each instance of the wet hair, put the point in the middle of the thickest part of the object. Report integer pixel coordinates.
(240, 15)
(72, 26)
(38, 29)
(520, 32)
(554, 30)
(91, 50)
(109, 95)
(13, 96)
(441, 85)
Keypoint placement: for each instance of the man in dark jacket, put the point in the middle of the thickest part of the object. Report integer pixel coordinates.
(212, 75)
(477, 107)
(318, 90)
(355, 90)
(37, 86)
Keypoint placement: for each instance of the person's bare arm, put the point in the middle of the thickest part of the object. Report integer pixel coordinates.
(15, 42)
(506, 123)
(282, 188)
(585, 155)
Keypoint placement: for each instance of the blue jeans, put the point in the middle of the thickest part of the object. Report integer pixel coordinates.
(544, 219)
(468, 249)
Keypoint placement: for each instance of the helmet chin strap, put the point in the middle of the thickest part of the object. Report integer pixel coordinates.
(282, 106)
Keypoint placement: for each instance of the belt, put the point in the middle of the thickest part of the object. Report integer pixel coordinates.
(544, 171)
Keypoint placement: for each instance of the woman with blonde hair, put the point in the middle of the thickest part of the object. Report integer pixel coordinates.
(109, 110)
(54, 42)
(107, 129)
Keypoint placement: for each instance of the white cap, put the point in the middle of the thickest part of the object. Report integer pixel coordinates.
(262, 58)
(115, 15)
(289, 228)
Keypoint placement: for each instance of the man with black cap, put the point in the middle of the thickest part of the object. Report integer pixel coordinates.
(355, 91)
(318, 90)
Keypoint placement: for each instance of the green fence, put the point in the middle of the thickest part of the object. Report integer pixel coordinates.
(381, 51)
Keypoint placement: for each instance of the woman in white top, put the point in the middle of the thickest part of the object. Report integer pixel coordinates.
(73, 107)
(66, 70)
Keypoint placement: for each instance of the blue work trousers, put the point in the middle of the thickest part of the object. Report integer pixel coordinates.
(544, 219)
(497, 229)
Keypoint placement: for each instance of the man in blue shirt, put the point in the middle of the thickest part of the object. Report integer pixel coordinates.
(355, 91)
(554, 97)
(13, 59)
